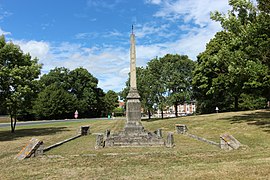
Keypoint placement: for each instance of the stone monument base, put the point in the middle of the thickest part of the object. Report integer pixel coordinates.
(139, 139)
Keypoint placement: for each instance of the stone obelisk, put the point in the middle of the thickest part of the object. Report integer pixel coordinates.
(133, 133)
(133, 106)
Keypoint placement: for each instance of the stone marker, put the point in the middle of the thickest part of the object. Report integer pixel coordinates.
(30, 149)
(85, 130)
(107, 133)
(170, 140)
(228, 142)
(99, 141)
(158, 132)
(181, 128)
(39, 151)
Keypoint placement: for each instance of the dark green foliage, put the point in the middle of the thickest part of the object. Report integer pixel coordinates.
(119, 112)
(177, 78)
(55, 103)
(247, 102)
(111, 101)
(17, 81)
(235, 64)
(81, 94)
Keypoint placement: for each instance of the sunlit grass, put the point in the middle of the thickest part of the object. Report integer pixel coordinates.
(190, 159)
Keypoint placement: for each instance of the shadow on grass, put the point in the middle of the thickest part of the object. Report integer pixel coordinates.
(261, 119)
(7, 135)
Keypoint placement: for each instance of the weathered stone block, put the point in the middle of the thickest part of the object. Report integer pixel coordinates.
(181, 128)
(228, 142)
(85, 130)
(39, 151)
(99, 141)
(158, 132)
(170, 140)
(30, 149)
(107, 133)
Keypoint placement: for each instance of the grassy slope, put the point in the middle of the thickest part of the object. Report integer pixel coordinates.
(189, 159)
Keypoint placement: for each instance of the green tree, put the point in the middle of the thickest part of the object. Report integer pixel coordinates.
(78, 83)
(17, 74)
(111, 101)
(158, 89)
(177, 78)
(54, 103)
(83, 85)
(235, 61)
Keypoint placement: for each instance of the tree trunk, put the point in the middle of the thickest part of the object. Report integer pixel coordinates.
(149, 114)
(13, 124)
(176, 111)
(162, 115)
(236, 98)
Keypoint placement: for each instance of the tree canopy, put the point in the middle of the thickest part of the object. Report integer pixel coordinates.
(17, 74)
(235, 64)
(78, 87)
(164, 81)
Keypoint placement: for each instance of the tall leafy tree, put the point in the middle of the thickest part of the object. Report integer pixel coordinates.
(54, 102)
(78, 83)
(235, 62)
(177, 78)
(158, 89)
(111, 101)
(145, 87)
(83, 85)
(17, 74)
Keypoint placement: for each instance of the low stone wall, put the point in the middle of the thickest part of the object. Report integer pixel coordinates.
(61, 142)
(227, 142)
(35, 147)
(203, 139)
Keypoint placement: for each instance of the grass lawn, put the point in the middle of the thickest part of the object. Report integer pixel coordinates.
(189, 159)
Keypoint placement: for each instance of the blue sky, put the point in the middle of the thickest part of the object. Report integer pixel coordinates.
(94, 34)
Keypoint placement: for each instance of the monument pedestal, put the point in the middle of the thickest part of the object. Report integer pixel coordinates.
(133, 109)
(134, 134)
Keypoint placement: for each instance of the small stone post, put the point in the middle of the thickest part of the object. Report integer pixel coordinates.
(181, 128)
(99, 141)
(107, 133)
(39, 151)
(158, 132)
(85, 130)
(170, 140)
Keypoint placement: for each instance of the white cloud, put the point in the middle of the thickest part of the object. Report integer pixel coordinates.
(152, 29)
(191, 10)
(153, 1)
(2, 32)
(37, 49)
(193, 18)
